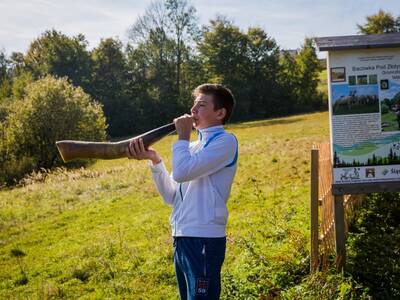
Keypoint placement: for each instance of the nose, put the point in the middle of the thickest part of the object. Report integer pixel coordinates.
(193, 110)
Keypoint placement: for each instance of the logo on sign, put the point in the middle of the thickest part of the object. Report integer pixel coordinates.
(384, 84)
(370, 172)
(350, 174)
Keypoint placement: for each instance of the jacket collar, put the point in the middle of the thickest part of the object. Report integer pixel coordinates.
(205, 133)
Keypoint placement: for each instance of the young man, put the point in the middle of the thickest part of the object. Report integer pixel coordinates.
(198, 189)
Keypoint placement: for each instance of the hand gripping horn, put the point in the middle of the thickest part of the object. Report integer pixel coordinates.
(70, 150)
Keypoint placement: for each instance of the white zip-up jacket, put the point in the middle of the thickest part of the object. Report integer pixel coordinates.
(200, 183)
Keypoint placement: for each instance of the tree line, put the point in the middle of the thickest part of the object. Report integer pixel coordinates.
(135, 87)
(148, 81)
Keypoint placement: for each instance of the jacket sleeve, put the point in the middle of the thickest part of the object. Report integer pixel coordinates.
(165, 184)
(218, 154)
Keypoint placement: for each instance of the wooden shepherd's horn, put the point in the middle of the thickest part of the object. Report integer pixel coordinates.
(70, 150)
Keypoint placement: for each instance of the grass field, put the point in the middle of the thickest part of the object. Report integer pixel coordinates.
(103, 232)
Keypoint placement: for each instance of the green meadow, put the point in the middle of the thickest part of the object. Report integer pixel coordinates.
(102, 232)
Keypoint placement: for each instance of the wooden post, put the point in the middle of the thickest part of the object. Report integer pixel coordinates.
(314, 210)
(338, 214)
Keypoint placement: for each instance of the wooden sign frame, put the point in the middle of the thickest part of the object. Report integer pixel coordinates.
(355, 56)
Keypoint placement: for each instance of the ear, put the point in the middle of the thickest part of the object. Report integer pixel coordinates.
(221, 113)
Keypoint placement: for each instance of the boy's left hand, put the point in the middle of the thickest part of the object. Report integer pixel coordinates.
(136, 150)
(184, 125)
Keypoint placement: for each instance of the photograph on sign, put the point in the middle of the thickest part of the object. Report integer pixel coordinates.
(390, 106)
(338, 74)
(365, 115)
(355, 99)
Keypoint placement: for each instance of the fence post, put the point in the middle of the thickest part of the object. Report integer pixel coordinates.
(338, 214)
(314, 210)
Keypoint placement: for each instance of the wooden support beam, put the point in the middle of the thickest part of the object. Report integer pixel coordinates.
(338, 211)
(314, 262)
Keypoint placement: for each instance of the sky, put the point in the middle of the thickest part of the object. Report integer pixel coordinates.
(287, 21)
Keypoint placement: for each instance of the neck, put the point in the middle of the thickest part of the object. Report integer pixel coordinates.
(211, 125)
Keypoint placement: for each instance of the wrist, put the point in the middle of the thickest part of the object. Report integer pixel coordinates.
(155, 160)
(184, 136)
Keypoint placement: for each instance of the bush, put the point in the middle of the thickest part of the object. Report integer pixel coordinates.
(52, 110)
(374, 246)
(372, 270)
(327, 285)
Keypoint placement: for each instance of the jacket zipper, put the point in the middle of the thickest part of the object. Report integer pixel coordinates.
(204, 261)
(178, 215)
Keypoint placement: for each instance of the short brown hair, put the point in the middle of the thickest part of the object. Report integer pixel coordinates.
(222, 97)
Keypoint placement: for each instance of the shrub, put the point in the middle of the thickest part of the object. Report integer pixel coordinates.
(52, 110)
(374, 246)
(327, 286)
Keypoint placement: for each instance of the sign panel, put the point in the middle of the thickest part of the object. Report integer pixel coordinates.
(364, 104)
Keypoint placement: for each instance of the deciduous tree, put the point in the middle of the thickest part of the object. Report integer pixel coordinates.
(108, 86)
(381, 22)
(56, 54)
(52, 110)
(308, 72)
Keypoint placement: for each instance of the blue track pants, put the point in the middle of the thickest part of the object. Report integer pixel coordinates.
(198, 263)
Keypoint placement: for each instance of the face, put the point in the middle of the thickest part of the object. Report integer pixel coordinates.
(204, 114)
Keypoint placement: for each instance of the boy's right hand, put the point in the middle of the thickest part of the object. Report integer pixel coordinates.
(136, 150)
(184, 125)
